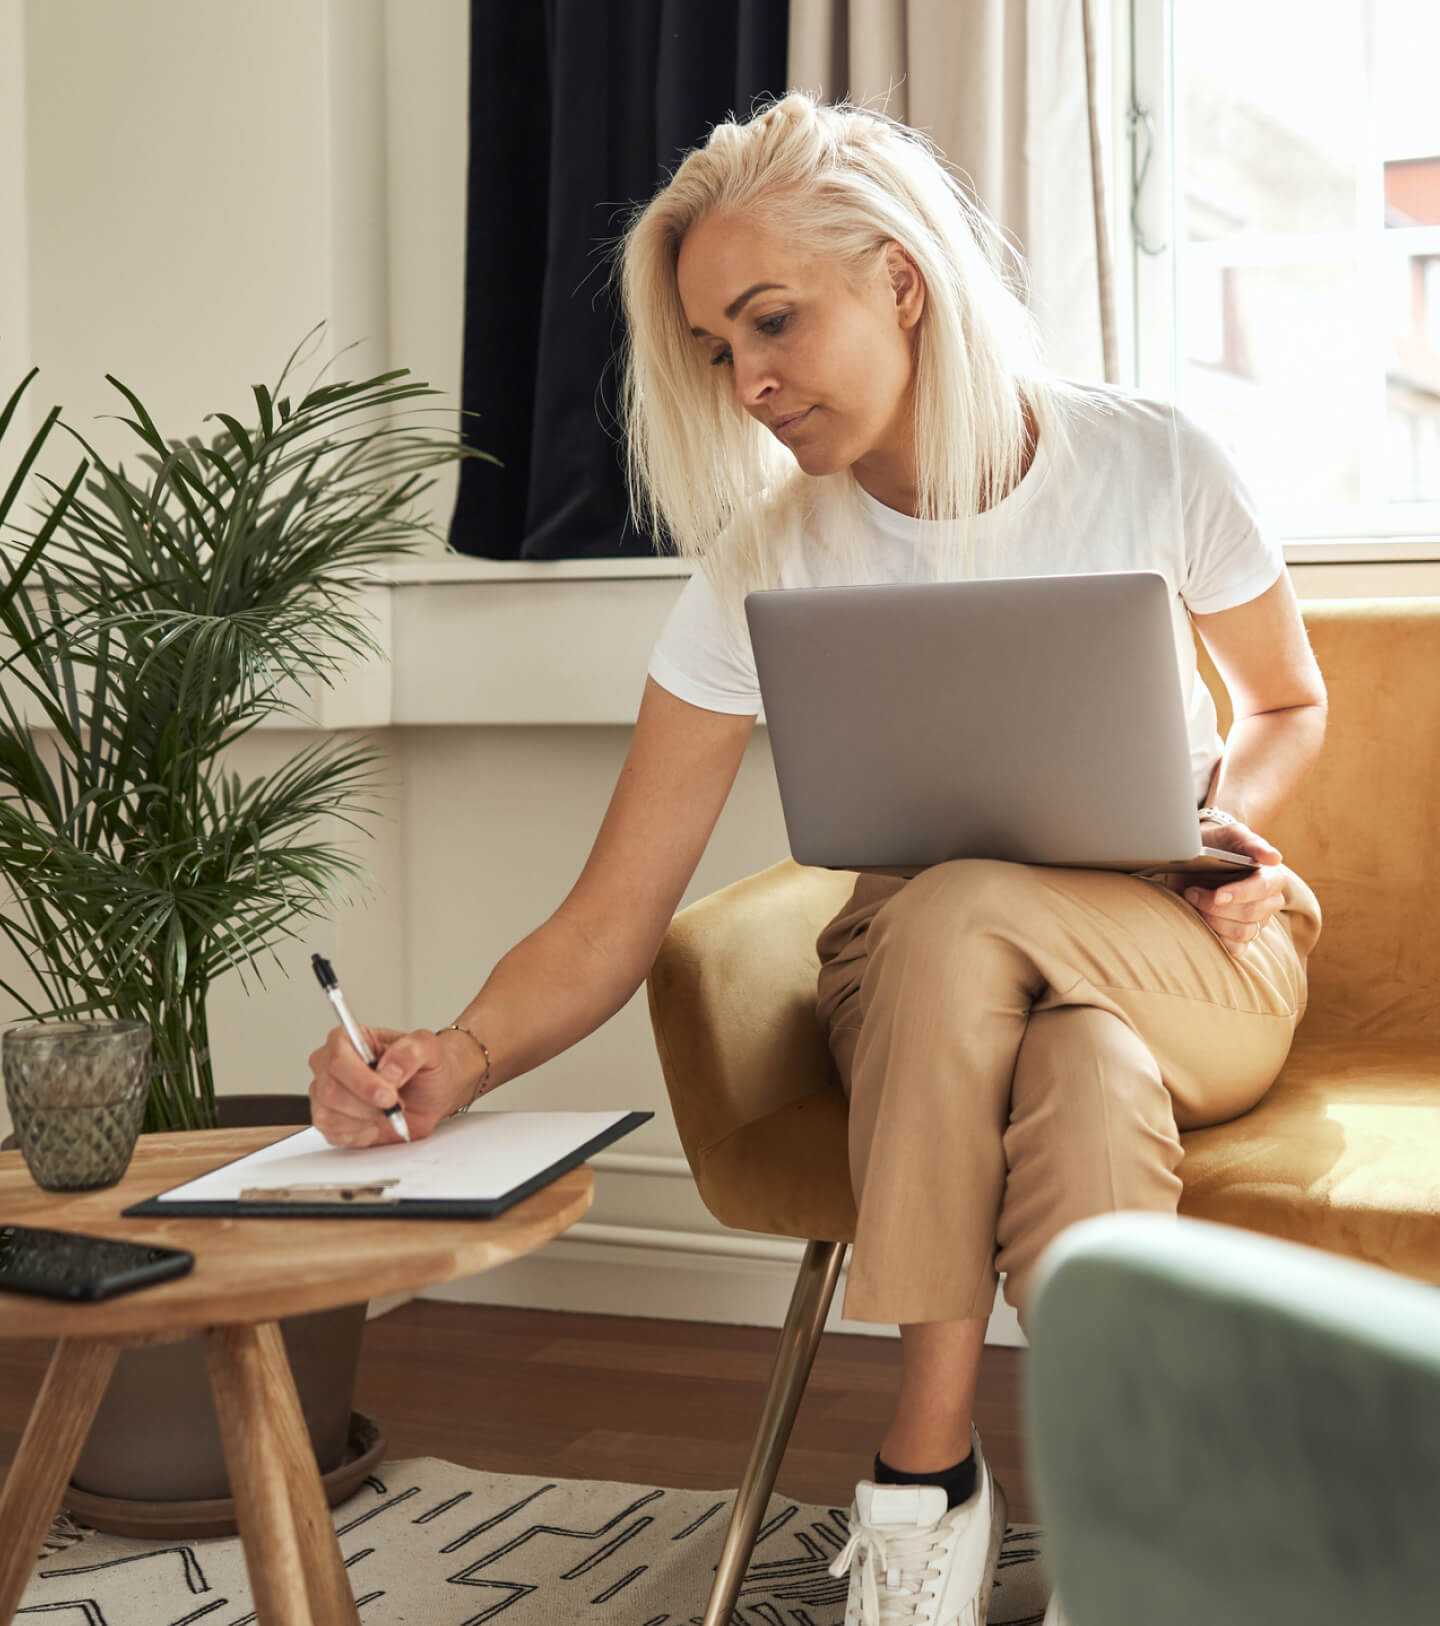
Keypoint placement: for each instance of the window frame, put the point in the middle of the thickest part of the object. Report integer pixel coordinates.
(1146, 280)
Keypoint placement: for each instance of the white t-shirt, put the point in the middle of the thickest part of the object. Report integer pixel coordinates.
(1112, 505)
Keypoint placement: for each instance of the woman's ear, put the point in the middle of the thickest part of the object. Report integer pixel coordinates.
(907, 285)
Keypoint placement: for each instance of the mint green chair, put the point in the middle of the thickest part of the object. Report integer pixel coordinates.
(1229, 1430)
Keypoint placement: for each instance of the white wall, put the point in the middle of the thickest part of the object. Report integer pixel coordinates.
(185, 189)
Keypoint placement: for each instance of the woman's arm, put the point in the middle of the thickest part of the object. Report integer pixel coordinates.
(1262, 652)
(1266, 757)
(572, 973)
(576, 969)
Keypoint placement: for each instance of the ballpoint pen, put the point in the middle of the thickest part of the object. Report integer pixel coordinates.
(325, 975)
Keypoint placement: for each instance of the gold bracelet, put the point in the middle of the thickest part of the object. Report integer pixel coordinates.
(484, 1077)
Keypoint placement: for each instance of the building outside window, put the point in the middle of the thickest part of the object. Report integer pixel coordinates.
(1285, 252)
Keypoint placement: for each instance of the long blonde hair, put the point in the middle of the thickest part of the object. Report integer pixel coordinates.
(845, 180)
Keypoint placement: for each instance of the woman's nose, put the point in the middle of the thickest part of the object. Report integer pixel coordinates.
(754, 384)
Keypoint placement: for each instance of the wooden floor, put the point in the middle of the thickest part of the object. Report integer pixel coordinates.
(613, 1397)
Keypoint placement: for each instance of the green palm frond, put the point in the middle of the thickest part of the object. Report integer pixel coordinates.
(148, 624)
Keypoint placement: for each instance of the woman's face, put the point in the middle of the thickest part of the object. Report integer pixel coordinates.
(811, 345)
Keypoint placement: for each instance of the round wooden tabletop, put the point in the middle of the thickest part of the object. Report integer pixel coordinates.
(249, 1270)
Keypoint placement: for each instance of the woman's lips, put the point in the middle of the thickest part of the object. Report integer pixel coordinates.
(794, 423)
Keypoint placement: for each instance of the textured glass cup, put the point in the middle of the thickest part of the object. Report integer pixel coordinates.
(77, 1098)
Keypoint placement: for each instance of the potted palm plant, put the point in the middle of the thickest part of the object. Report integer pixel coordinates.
(148, 625)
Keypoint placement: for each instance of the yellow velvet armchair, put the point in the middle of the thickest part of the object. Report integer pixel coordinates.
(1343, 1153)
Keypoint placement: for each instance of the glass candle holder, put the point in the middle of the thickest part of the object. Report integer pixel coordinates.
(77, 1093)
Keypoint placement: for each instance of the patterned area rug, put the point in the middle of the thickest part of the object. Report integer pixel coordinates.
(428, 1543)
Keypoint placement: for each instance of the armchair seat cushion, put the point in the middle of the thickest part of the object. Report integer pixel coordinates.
(1340, 1154)
(1343, 1153)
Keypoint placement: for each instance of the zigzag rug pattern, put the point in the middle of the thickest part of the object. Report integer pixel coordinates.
(429, 1543)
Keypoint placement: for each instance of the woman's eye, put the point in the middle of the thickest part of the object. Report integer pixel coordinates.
(771, 326)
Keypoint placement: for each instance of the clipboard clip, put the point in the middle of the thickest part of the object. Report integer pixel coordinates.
(322, 1192)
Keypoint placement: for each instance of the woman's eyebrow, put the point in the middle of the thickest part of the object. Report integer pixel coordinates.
(735, 305)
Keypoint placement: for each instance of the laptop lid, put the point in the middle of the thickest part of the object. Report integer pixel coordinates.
(1037, 719)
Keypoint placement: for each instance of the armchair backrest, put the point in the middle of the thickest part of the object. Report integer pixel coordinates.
(1362, 827)
(1182, 1378)
(732, 1000)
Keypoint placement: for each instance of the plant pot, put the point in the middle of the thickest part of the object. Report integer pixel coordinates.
(155, 1437)
(204, 1520)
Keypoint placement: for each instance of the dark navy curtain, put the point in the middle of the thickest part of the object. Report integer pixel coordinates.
(578, 109)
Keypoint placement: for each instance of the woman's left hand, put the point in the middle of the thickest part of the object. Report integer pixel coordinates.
(1236, 910)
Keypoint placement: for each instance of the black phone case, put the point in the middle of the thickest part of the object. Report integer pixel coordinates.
(104, 1285)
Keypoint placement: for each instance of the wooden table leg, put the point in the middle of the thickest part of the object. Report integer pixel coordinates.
(55, 1433)
(291, 1552)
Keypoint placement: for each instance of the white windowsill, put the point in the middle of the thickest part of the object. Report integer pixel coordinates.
(1361, 551)
(568, 643)
(456, 568)
(453, 568)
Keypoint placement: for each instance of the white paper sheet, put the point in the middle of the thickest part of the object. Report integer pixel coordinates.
(474, 1156)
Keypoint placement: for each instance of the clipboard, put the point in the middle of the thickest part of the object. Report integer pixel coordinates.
(475, 1166)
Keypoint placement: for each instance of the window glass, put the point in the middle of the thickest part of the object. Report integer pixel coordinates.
(1307, 153)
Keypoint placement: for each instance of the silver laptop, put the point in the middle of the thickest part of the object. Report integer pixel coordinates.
(1038, 719)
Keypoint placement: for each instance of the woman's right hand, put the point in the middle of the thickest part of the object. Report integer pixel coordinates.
(428, 1075)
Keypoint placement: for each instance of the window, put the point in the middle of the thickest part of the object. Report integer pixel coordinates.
(1285, 248)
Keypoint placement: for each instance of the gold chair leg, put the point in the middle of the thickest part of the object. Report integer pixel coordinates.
(805, 1321)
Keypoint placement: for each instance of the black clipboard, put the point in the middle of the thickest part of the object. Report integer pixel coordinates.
(302, 1207)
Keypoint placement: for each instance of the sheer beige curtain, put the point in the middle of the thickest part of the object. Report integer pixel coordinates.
(1012, 92)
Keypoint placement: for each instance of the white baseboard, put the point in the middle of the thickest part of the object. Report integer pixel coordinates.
(728, 1277)
(670, 1272)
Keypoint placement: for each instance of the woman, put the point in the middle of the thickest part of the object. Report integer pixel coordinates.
(829, 379)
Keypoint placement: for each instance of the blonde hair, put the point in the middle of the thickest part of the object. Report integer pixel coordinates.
(845, 180)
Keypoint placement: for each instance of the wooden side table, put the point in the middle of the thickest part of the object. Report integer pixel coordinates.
(248, 1274)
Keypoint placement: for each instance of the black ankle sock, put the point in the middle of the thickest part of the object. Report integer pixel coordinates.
(958, 1482)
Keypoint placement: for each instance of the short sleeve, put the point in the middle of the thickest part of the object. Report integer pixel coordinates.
(1230, 557)
(697, 655)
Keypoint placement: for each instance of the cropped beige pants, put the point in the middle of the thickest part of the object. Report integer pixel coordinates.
(1021, 1046)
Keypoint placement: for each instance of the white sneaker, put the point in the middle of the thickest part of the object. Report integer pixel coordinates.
(912, 1561)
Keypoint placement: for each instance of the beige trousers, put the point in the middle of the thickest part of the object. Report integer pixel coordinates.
(1021, 1045)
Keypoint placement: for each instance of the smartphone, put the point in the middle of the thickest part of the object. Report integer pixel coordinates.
(71, 1265)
